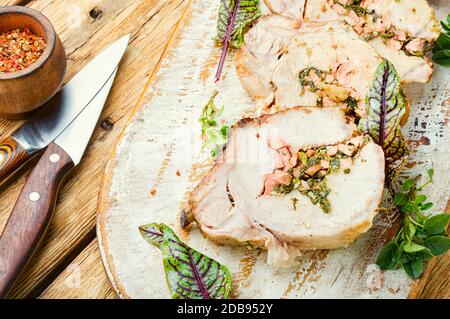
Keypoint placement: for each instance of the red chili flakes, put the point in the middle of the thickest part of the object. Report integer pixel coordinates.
(19, 49)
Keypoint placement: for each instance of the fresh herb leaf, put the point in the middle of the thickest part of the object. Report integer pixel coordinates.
(214, 137)
(446, 24)
(430, 174)
(438, 245)
(153, 234)
(385, 106)
(442, 57)
(441, 49)
(426, 206)
(420, 237)
(387, 259)
(235, 17)
(400, 199)
(412, 248)
(436, 224)
(189, 274)
(414, 268)
(408, 184)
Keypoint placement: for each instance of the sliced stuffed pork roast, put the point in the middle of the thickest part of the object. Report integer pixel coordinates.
(401, 31)
(294, 9)
(264, 45)
(317, 64)
(325, 65)
(300, 179)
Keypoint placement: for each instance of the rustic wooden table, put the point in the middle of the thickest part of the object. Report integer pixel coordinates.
(68, 263)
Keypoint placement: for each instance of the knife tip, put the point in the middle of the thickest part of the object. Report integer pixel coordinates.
(126, 38)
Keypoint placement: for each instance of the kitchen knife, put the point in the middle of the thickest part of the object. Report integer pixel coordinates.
(35, 135)
(34, 208)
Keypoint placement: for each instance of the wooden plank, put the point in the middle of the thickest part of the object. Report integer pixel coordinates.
(85, 27)
(13, 2)
(84, 278)
(438, 283)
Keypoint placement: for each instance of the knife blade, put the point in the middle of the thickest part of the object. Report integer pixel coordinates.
(34, 208)
(36, 134)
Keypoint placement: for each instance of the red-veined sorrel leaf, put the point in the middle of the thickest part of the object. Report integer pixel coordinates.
(235, 16)
(385, 106)
(189, 274)
(153, 234)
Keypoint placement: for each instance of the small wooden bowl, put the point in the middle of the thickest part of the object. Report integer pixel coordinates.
(23, 92)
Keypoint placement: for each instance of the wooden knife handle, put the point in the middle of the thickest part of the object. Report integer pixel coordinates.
(12, 157)
(31, 215)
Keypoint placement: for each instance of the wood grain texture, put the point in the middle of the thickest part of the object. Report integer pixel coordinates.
(31, 215)
(12, 157)
(86, 27)
(36, 84)
(438, 283)
(84, 278)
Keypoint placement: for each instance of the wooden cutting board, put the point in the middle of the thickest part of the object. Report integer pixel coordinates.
(159, 159)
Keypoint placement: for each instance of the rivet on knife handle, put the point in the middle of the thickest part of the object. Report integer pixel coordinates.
(12, 157)
(31, 215)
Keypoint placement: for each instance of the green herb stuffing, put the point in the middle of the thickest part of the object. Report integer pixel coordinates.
(387, 35)
(305, 81)
(441, 49)
(352, 103)
(214, 137)
(354, 5)
(311, 173)
(421, 237)
(318, 194)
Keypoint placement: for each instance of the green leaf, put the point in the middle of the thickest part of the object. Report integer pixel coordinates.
(411, 230)
(189, 273)
(437, 224)
(247, 13)
(443, 41)
(425, 254)
(411, 247)
(214, 137)
(420, 199)
(387, 258)
(410, 182)
(446, 24)
(403, 257)
(414, 268)
(152, 233)
(442, 57)
(421, 234)
(426, 206)
(437, 244)
(430, 173)
(385, 106)
(400, 199)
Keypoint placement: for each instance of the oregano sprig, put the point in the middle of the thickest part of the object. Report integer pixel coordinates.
(421, 236)
(214, 137)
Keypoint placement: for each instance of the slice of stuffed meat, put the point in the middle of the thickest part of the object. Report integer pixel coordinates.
(300, 179)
